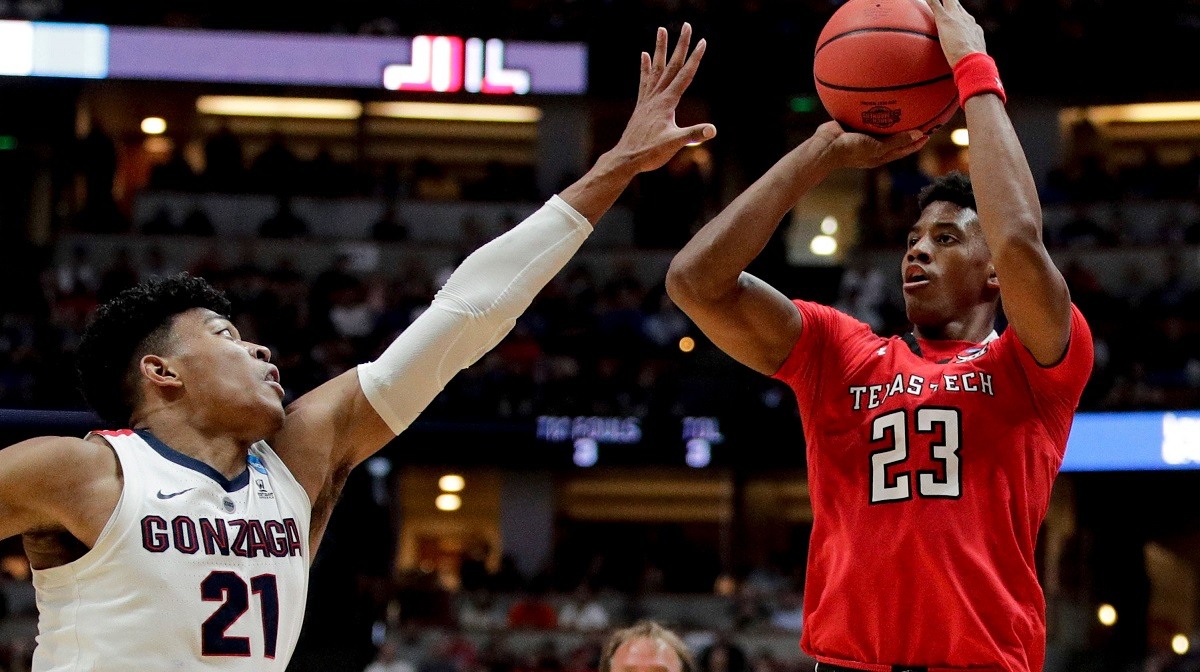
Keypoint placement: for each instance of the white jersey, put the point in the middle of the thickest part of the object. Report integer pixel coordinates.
(193, 571)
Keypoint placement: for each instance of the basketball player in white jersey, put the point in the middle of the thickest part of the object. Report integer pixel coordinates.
(183, 542)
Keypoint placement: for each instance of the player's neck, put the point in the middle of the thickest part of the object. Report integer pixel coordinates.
(972, 327)
(224, 452)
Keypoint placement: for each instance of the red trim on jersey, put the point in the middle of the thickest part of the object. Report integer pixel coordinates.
(113, 432)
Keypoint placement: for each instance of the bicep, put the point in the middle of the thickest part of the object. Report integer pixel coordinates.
(1036, 300)
(331, 429)
(32, 500)
(754, 324)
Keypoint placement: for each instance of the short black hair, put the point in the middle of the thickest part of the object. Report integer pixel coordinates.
(129, 326)
(953, 187)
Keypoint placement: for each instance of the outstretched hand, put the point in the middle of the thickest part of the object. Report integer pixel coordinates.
(652, 137)
(858, 150)
(957, 30)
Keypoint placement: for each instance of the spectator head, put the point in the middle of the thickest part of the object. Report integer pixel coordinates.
(646, 647)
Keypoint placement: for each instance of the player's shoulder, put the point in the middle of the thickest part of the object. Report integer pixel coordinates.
(66, 462)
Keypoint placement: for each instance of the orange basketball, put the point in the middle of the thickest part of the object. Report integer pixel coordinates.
(880, 69)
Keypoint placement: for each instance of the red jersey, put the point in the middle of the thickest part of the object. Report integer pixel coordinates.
(929, 477)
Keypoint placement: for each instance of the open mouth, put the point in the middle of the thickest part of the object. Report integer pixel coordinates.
(915, 278)
(272, 378)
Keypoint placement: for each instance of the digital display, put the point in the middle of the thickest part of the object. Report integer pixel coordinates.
(1134, 442)
(593, 438)
(440, 64)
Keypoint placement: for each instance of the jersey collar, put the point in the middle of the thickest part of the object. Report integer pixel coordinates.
(227, 484)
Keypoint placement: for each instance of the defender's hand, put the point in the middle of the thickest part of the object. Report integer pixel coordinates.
(858, 150)
(957, 30)
(651, 137)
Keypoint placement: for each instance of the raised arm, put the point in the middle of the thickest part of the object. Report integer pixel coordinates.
(744, 316)
(1035, 296)
(341, 423)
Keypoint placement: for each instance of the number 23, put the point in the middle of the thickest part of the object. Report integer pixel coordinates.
(893, 426)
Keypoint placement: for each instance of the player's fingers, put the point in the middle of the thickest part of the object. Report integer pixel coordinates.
(900, 140)
(683, 79)
(904, 151)
(660, 51)
(696, 134)
(680, 54)
(644, 78)
(936, 6)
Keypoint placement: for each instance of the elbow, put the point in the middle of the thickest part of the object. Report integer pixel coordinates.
(1022, 234)
(682, 283)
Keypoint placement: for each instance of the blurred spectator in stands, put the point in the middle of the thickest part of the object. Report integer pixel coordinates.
(154, 264)
(789, 614)
(174, 175)
(665, 324)
(765, 661)
(583, 658)
(159, 224)
(480, 611)
(542, 659)
(276, 169)
(388, 660)
(533, 611)
(439, 657)
(197, 223)
(494, 656)
(432, 182)
(1083, 230)
(76, 276)
(352, 314)
(583, 612)
(749, 608)
(224, 170)
(19, 627)
(671, 201)
(723, 656)
(473, 567)
(863, 293)
(285, 223)
(390, 227)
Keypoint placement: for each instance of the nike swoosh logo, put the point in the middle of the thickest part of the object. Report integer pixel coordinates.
(162, 495)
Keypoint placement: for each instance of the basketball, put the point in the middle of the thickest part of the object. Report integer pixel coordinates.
(879, 68)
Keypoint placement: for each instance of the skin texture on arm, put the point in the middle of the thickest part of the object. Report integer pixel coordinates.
(1035, 296)
(744, 316)
(333, 428)
(52, 486)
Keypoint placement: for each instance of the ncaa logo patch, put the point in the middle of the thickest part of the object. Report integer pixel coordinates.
(971, 353)
(256, 464)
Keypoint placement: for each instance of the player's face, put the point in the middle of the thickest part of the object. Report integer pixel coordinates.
(948, 268)
(643, 654)
(230, 384)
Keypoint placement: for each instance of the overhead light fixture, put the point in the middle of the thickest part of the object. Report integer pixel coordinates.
(266, 106)
(1144, 112)
(523, 114)
(829, 225)
(448, 502)
(154, 125)
(452, 483)
(960, 137)
(1180, 644)
(1107, 615)
(823, 245)
(687, 344)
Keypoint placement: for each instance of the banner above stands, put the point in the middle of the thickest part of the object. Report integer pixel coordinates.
(438, 64)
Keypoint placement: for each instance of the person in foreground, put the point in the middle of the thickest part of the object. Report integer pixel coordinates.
(646, 646)
(184, 541)
(931, 456)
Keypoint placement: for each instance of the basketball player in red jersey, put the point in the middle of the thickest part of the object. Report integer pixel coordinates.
(183, 542)
(930, 457)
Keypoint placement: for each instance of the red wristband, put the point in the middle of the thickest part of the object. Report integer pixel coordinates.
(975, 74)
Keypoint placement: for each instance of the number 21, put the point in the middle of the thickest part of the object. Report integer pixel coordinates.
(899, 488)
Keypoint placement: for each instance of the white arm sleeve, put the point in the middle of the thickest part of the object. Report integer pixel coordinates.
(476, 308)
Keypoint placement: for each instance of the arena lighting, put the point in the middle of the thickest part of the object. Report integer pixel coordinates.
(687, 344)
(823, 245)
(1144, 112)
(456, 112)
(452, 483)
(154, 125)
(448, 502)
(1107, 615)
(265, 106)
(1180, 644)
(829, 225)
(960, 137)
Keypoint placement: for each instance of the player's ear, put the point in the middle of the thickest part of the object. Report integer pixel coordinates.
(159, 371)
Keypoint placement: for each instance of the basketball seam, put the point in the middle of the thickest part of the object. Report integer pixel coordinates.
(872, 89)
(856, 31)
(952, 103)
